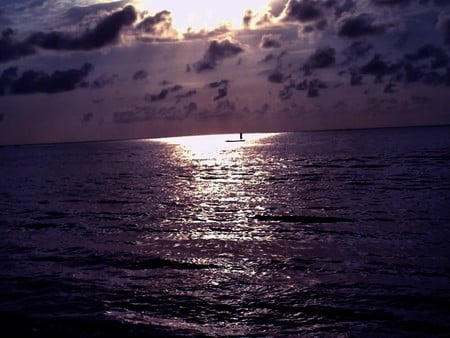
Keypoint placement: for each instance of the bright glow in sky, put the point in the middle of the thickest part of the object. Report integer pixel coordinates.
(203, 14)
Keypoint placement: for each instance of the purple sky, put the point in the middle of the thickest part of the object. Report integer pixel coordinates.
(89, 70)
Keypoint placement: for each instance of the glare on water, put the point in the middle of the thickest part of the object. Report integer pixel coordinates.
(214, 147)
(218, 187)
(300, 234)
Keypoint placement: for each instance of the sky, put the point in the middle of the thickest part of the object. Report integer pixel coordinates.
(88, 70)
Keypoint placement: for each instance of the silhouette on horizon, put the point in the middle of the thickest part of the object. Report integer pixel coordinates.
(241, 139)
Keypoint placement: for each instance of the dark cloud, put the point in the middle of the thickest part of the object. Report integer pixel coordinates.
(224, 109)
(162, 95)
(265, 19)
(360, 25)
(272, 57)
(439, 2)
(175, 88)
(357, 50)
(204, 33)
(188, 94)
(344, 7)
(125, 117)
(8, 76)
(412, 73)
(11, 49)
(216, 52)
(390, 88)
(217, 84)
(302, 10)
(378, 67)
(446, 78)
(355, 78)
(377, 102)
(87, 117)
(302, 85)
(264, 109)
(317, 26)
(140, 75)
(104, 81)
(222, 88)
(190, 108)
(31, 5)
(105, 33)
(170, 114)
(391, 2)
(78, 13)
(247, 19)
(322, 58)
(226, 106)
(268, 58)
(313, 90)
(438, 55)
(141, 114)
(204, 65)
(270, 41)
(222, 92)
(321, 25)
(31, 81)
(286, 92)
(159, 24)
(408, 70)
(308, 29)
(276, 77)
(432, 79)
(341, 105)
(98, 100)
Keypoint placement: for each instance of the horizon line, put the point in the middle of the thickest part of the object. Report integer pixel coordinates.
(224, 133)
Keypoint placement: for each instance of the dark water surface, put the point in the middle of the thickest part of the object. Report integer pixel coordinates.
(300, 234)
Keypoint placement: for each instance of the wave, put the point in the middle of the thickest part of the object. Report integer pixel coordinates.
(301, 219)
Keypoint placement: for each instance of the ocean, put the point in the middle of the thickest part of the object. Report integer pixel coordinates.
(311, 234)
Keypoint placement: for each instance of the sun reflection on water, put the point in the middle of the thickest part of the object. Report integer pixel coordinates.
(213, 148)
(216, 189)
(219, 192)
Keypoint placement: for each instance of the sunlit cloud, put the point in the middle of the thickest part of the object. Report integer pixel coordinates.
(278, 64)
(204, 14)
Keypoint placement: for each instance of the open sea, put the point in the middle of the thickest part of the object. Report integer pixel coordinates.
(311, 234)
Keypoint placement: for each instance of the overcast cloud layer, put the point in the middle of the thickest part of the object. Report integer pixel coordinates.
(88, 70)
